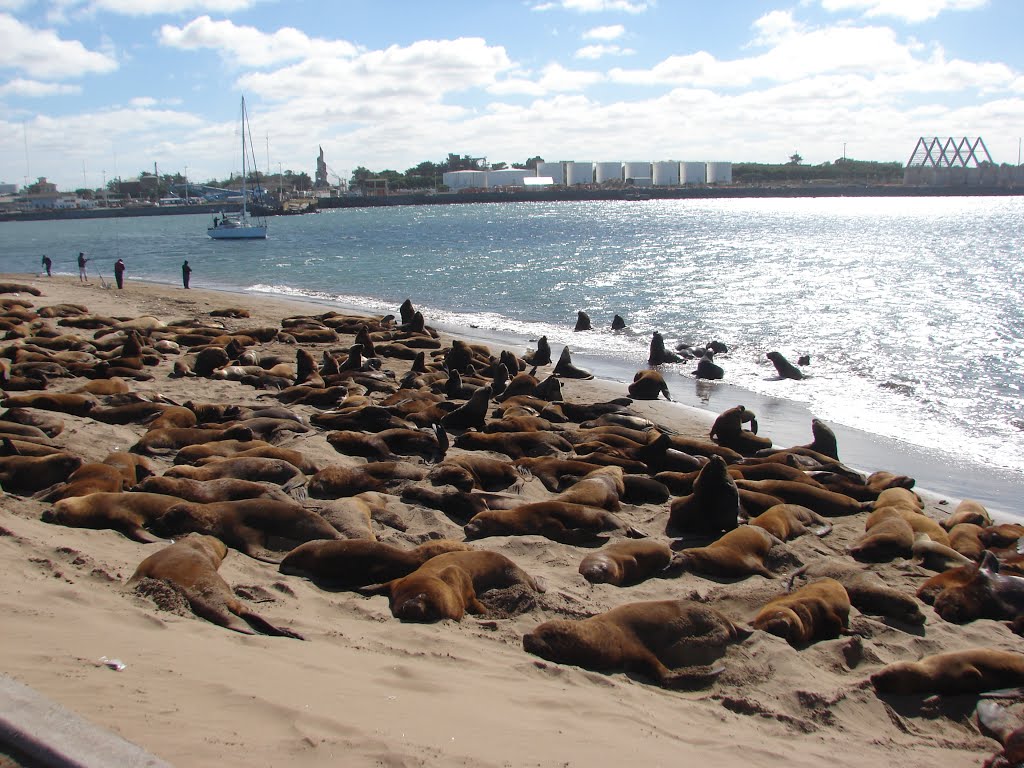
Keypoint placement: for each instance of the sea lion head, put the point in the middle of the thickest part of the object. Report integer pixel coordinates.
(600, 569)
(785, 623)
(562, 642)
(901, 678)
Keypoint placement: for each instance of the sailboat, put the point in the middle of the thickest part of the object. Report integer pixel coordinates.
(240, 226)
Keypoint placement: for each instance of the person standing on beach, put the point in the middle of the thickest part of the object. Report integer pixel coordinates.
(186, 273)
(119, 273)
(83, 276)
(47, 264)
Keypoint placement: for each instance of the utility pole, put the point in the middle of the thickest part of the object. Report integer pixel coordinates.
(188, 201)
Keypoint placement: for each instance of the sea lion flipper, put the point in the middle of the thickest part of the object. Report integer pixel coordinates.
(370, 590)
(143, 536)
(260, 624)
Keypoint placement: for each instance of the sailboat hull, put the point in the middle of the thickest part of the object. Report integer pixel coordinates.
(237, 233)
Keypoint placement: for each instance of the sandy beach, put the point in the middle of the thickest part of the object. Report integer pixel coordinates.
(367, 689)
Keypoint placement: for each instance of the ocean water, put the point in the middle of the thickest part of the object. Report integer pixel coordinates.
(911, 309)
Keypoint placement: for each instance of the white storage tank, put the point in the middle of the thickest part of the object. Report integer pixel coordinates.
(666, 173)
(456, 180)
(507, 177)
(608, 172)
(719, 173)
(693, 173)
(637, 171)
(579, 173)
(554, 170)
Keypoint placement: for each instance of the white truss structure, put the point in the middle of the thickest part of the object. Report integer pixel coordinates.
(949, 152)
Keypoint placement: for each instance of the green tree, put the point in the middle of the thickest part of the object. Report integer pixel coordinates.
(795, 159)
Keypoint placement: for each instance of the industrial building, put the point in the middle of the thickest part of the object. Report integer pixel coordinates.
(573, 173)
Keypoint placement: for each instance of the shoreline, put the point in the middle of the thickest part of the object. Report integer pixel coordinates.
(366, 688)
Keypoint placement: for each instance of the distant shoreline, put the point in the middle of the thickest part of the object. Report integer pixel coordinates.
(632, 194)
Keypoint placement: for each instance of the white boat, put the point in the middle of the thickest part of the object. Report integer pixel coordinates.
(240, 226)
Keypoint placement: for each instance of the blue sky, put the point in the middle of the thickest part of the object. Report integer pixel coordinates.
(94, 88)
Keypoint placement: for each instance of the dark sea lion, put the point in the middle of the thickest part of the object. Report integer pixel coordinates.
(713, 507)
(48, 423)
(708, 369)
(737, 554)
(956, 672)
(582, 322)
(788, 521)
(654, 639)
(658, 354)
(190, 565)
(448, 586)
(551, 470)
(627, 562)
(565, 368)
(984, 593)
(127, 513)
(25, 475)
(933, 586)
(866, 590)
(647, 385)
(556, 520)
(351, 563)
(515, 445)
(1007, 729)
(783, 367)
(618, 323)
(471, 414)
(248, 525)
(209, 491)
(818, 611)
(728, 430)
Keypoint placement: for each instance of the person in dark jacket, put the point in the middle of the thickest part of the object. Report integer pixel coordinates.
(83, 276)
(186, 273)
(119, 272)
(47, 263)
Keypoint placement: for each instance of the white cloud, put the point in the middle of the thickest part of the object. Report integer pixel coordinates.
(911, 11)
(248, 46)
(597, 6)
(62, 9)
(597, 51)
(40, 53)
(775, 26)
(609, 32)
(36, 89)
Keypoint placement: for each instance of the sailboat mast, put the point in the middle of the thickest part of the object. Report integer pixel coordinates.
(244, 195)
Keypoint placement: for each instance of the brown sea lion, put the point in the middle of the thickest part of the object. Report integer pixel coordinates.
(968, 511)
(248, 525)
(783, 367)
(277, 471)
(25, 475)
(866, 590)
(209, 491)
(647, 385)
(448, 586)
(472, 414)
(822, 501)
(1007, 729)
(965, 538)
(981, 593)
(787, 521)
(627, 562)
(728, 430)
(714, 505)
(468, 471)
(890, 538)
(94, 477)
(351, 563)
(556, 520)
(737, 554)
(956, 672)
(296, 458)
(73, 405)
(127, 513)
(918, 521)
(48, 423)
(169, 439)
(335, 481)
(934, 556)
(190, 565)
(818, 611)
(601, 488)
(565, 368)
(515, 445)
(654, 639)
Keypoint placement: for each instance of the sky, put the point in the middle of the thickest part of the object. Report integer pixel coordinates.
(91, 90)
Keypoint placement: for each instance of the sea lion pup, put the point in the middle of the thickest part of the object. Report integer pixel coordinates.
(737, 554)
(967, 511)
(515, 445)
(556, 520)
(601, 488)
(73, 405)
(867, 592)
(818, 611)
(783, 367)
(169, 439)
(654, 638)
(788, 521)
(658, 354)
(821, 500)
(713, 507)
(473, 413)
(336, 480)
(209, 491)
(627, 562)
(647, 385)
(49, 424)
(190, 566)
(728, 431)
(447, 586)
(565, 368)
(974, 670)
(352, 563)
(127, 513)
(1005, 728)
(248, 525)
(468, 471)
(25, 475)
(583, 322)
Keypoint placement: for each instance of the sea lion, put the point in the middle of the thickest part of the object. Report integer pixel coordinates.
(190, 565)
(601, 488)
(714, 505)
(788, 521)
(582, 322)
(627, 562)
(515, 445)
(351, 563)
(25, 475)
(46, 422)
(565, 368)
(276, 471)
(169, 439)
(556, 520)
(821, 500)
(618, 323)
(737, 554)
(71, 404)
(708, 369)
(866, 590)
(728, 430)
(783, 367)
(540, 356)
(448, 586)
(981, 593)
(127, 513)
(890, 538)
(468, 471)
(658, 354)
(209, 491)
(653, 638)
(935, 556)
(918, 521)
(193, 455)
(335, 481)
(473, 413)
(953, 673)
(967, 511)
(248, 525)
(818, 611)
(965, 538)
(93, 477)
(647, 385)
(1007, 729)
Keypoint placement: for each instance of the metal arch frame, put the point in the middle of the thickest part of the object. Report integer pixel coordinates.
(949, 152)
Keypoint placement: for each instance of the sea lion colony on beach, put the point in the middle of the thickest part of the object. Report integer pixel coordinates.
(438, 438)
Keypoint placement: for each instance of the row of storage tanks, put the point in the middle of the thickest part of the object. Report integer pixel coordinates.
(665, 173)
